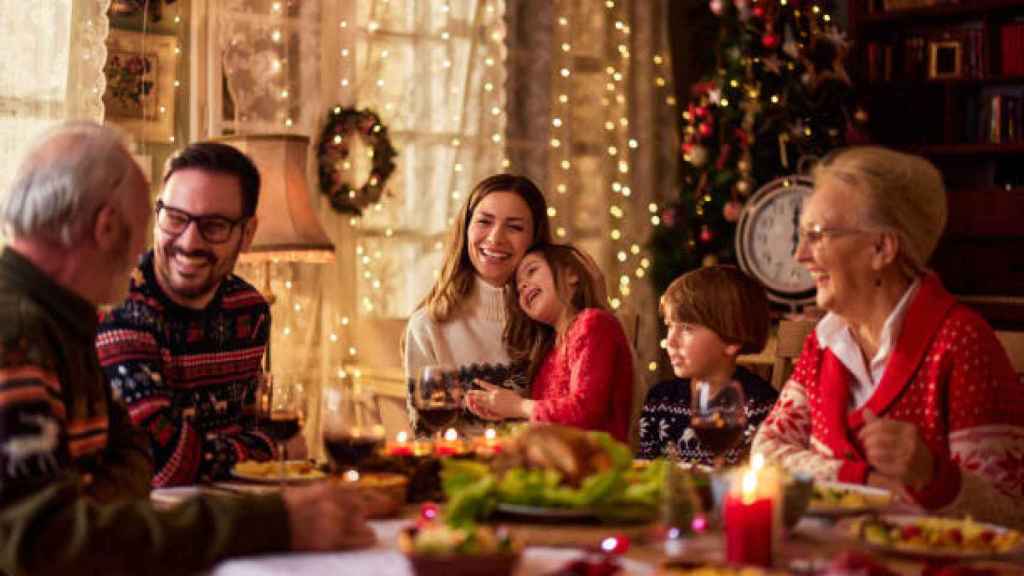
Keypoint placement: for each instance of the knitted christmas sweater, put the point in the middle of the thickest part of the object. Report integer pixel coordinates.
(587, 380)
(188, 377)
(74, 471)
(470, 343)
(950, 377)
(665, 420)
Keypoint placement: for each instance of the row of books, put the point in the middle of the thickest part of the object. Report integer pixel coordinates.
(951, 53)
(1011, 38)
(875, 6)
(994, 116)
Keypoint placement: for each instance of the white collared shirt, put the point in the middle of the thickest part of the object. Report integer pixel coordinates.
(834, 333)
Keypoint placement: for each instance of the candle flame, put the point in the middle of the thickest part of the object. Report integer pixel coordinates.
(402, 437)
(749, 485)
(351, 476)
(757, 461)
(490, 434)
(451, 435)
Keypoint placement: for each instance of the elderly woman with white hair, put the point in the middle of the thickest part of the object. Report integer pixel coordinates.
(899, 385)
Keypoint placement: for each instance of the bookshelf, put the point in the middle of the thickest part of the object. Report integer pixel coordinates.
(945, 79)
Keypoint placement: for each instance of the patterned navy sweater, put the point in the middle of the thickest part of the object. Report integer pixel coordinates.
(665, 419)
(188, 376)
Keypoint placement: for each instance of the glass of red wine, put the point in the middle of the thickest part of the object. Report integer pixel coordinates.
(282, 419)
(718, 416)
(348, 441)
(438, 396)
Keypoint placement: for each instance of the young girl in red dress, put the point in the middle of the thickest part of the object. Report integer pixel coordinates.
(581, 364)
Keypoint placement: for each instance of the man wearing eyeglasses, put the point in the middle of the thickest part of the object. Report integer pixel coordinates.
(183, 351)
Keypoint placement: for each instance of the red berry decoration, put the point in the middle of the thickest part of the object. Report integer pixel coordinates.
(617, 544)
(769, 40)
(429, 511)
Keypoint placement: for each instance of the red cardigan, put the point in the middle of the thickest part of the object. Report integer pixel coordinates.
(948, 375)
(587, 381)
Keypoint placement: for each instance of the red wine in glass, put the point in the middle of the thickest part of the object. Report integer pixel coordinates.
(717, 435)
(718, 416)
(438, 418)
(348, 451)
(281, 425)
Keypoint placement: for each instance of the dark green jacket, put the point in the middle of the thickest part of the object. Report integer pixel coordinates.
(74, 472)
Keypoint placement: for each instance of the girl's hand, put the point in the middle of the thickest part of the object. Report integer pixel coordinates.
(495, 401)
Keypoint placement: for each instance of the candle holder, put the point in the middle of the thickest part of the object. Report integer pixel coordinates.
(752, 513)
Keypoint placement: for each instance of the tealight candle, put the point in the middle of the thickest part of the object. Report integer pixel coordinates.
(753, 521)
(400, 447)
(449, 446)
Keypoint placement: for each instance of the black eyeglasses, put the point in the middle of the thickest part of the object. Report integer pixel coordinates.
(213, 229)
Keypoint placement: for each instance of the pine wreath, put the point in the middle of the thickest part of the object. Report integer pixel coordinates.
(344, 124)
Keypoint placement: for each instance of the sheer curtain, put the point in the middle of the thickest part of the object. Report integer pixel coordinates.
(51, 70)
(434, 72)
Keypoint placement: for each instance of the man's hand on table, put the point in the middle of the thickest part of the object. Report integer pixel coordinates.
(324, 517)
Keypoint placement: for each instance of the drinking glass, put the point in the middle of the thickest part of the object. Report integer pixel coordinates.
(282, 419)
(438, 398)
(718, 416)
(348, 442)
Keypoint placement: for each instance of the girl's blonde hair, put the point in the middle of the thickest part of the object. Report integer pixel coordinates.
(579, 284)
(456, 280)
(904, 193)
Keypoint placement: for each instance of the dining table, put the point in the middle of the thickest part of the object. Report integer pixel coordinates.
(809, 548)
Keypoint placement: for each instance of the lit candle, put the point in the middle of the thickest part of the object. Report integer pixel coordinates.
(490, 445)
(351, 476)
(753, 515)
(400, 447)
(449, 447)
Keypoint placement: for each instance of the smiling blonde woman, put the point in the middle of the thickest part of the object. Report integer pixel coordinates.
(899, 386)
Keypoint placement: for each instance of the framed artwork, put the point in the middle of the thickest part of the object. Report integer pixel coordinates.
(944, 59)
(140, 73)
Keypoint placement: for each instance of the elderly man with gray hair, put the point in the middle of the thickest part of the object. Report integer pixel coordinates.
(74, 472)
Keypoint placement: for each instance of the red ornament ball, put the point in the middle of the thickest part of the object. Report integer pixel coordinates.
(706, 235)
(704, 129)
(758, 11)
(732, 210)
(701, 111)
(769, 40)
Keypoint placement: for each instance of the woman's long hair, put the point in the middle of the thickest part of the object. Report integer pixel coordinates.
(579, 284)
(456, 279)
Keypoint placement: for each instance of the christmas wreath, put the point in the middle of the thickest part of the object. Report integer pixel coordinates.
(344, 124)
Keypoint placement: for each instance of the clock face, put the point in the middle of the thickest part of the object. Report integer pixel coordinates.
(767, 238)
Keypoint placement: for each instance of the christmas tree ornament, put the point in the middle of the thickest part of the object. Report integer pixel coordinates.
(731, 210)
(698, 156)
(709, 260)
(716, 7)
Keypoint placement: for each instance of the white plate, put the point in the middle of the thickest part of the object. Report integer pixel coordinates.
(270, 472)
(875, 499)
(544, 513)
(946, 552)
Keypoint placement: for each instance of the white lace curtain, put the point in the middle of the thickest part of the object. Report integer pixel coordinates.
(51, 69)
(434, 72)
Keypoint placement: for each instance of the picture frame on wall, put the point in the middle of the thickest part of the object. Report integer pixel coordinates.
(140, 73)
(945, 59)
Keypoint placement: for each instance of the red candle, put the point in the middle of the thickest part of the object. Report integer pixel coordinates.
(400, 447)
(748, 530)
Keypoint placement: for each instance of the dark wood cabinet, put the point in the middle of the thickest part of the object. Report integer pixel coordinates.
(946, 80)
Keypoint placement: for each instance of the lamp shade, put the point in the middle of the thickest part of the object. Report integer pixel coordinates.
(288, 228)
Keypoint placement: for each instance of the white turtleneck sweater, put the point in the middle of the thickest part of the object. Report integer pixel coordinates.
(471, 340)
(471, 335)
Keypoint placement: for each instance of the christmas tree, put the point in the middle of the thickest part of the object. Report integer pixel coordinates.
(778, 93)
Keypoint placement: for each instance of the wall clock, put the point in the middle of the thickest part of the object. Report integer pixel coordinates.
(767, 236)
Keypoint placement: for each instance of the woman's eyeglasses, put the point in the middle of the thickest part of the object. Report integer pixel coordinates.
(816, 233)
(213, 229)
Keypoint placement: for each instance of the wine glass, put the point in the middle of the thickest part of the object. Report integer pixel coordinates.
(282, 417)
(348, 442)
(437, 396)
(718, 416)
